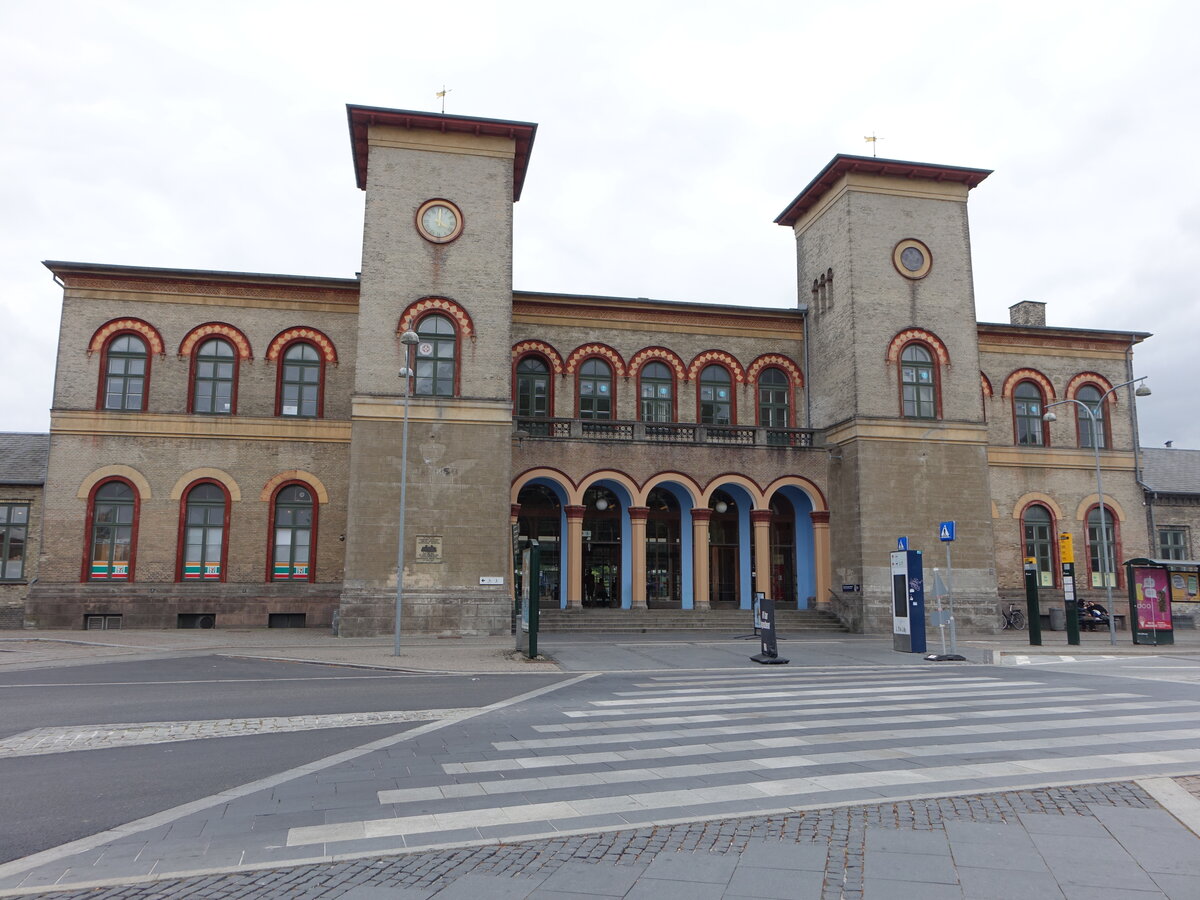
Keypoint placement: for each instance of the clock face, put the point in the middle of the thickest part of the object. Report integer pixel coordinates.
(912, 259)
(439, 221)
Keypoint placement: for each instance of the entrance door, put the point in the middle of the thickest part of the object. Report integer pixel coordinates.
(724, 588)
(602, 574)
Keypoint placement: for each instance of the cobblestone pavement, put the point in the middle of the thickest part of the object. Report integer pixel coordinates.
(1007, 844)
(64, 739)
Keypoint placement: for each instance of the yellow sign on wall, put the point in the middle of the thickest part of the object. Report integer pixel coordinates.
(1066, 548)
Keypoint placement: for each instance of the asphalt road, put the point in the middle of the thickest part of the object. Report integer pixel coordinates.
(50, 799)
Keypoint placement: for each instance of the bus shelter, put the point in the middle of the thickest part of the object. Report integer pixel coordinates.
(1155, 584)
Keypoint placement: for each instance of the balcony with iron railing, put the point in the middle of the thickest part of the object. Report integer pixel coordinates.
(610, 430)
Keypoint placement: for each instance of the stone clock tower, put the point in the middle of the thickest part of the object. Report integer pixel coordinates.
(884, 257)
(437, 259)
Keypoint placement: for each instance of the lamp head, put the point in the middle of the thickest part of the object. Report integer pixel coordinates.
(1143, 390)
(409, 338)
(601, 504)
(1049, 417)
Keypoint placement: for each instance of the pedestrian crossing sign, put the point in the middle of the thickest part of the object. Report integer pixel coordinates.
(946, 531)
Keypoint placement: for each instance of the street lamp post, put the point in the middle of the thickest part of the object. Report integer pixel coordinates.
(408, 339)
(1142, 391)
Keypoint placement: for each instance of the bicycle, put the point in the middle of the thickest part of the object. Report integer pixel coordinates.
(1012, 618)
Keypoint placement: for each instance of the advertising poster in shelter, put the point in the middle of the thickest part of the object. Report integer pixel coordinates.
(1152, 599)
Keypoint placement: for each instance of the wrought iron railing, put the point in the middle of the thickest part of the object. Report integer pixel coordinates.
(661, 432)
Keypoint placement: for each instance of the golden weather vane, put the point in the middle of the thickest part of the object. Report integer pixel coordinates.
(874, 142)
(442, 93)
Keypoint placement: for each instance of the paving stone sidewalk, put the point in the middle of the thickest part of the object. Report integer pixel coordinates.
(1100, 842)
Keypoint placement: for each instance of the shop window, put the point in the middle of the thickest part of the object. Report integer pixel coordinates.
(14, 528)
(436, 354)
(293, 545)
(112, 522)
(1038, 527)
(204, 528)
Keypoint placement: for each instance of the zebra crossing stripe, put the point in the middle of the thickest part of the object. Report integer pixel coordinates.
(700, 770)
(645, 806)
(805, 685)
(751, 696)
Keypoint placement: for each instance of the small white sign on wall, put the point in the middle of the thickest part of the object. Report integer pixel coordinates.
(491, 579)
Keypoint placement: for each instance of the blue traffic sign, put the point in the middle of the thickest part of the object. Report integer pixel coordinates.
(946, 531)
(901, 543)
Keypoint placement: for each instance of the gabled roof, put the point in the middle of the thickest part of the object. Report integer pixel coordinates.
(362, 117)
(843, 164)
(23, 457)
(1171, 471)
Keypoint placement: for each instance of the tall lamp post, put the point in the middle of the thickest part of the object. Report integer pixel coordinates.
(408, 339)
(1142, 391)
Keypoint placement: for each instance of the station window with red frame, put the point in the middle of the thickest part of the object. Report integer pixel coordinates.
(294, 530)
(112, 532)
(204, 533)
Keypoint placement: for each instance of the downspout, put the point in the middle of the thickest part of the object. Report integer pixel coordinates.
(1147, 492)
(807, 381)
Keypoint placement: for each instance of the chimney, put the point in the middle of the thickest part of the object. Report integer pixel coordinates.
(1027, 312)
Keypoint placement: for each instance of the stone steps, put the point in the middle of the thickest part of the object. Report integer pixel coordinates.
(733, 621)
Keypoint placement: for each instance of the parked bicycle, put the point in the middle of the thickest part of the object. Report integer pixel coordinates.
(1012, 618)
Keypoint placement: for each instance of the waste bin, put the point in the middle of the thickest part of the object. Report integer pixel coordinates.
(1058, 618)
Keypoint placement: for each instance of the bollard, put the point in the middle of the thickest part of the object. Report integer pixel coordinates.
(1031, 603)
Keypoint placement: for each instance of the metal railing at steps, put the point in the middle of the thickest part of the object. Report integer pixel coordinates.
(661, 432)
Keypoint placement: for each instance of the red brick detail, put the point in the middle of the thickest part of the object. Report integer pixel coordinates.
(1011, 382)
(311, 335)
(925, 337)
(775, 360)
(658, 354)
(758, 516)
(819, 516)
(153, 339)
(216, 329)
(1095, 379)
(700, 514)
(542, 348)
(986, 385)
(720, 357)
(575, 512)
(637, 513)
(580, 354)
(414, 312)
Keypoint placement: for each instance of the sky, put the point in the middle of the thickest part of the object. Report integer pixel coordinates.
(670, 136)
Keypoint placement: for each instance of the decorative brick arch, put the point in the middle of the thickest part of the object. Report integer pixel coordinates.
(611, 475)
(928, 338)
(216, 329)
(1093, 378)
(312, 335)
(657, 354)
(757, 497)
(544, 473)
(719, 357)
(775, 361)
(207, 474)
(686, 482)
(986, 384)
(1011, 382)
(153, 339)
(122, 473)
(814, 493)
(315, 483)
(1036, 498)
(541, 348)
(414, 312)
(584, 352)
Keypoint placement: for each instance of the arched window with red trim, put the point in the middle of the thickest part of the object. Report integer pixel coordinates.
(214, 373)
(1028, 427)
(125, 364)
(301, 386)
(112, 520)
(533, 393)
(596, 389)
(715, 396)
(1106, 547)
(1037, 527)
(919, 383)
(436, 367)
(656, 386)
(774, 399)
(203, 532)
(293, 533)
(1091, 397)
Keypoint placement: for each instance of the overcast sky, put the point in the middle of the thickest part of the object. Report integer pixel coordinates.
(214, 136)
